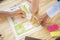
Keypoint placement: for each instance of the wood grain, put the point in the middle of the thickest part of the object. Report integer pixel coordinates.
(44, 34)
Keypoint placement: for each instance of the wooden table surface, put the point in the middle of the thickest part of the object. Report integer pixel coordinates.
(8, 34)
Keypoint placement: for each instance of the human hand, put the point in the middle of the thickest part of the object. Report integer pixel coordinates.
(44, 19)
(19, 13)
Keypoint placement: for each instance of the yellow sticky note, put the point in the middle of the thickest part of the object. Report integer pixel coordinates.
(25, 9)
(55, 33)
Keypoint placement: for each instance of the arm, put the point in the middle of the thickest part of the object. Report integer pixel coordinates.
(34, 7)
(34, 10)
(4, 14)
(51, 12)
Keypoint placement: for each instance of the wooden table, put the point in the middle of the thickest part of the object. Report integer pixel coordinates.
(7, 32)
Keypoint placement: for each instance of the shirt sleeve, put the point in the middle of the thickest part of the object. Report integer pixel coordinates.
(54, 10)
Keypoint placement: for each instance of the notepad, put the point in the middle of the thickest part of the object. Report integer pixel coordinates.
(55, 33)
(53, 28)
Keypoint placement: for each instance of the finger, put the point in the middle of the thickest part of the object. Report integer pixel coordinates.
(19, 12)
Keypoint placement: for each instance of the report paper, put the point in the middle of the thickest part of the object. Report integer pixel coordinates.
(23, 27)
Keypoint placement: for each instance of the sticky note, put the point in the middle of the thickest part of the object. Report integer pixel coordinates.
(53, 27)
(25, 9)
(55, 33)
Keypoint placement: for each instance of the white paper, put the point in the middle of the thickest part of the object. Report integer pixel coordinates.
(22, 28)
